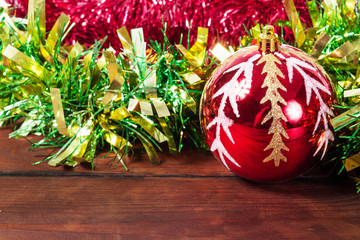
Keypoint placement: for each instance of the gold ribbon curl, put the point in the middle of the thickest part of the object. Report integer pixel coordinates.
(196, 54)
(295, 22)
(36, 29)
(76, 147)
(58, 110)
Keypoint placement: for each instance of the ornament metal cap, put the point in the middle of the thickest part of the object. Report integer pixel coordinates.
(268, 40)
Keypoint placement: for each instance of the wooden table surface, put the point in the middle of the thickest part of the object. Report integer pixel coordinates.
(188, 196)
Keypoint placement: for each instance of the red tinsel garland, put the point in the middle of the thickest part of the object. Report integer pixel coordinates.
(96, 19)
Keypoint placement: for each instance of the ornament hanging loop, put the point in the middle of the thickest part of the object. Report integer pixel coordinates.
(268, 40)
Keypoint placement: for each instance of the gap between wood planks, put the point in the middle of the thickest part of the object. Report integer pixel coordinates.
(57, 174)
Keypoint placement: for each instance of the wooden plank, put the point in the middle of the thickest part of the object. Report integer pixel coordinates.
(176, 208)
(17, 160)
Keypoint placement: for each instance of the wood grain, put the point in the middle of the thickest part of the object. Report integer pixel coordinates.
(188, 196)
(175, 208)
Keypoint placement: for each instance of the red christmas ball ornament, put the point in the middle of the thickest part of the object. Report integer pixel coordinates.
(265, 111)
